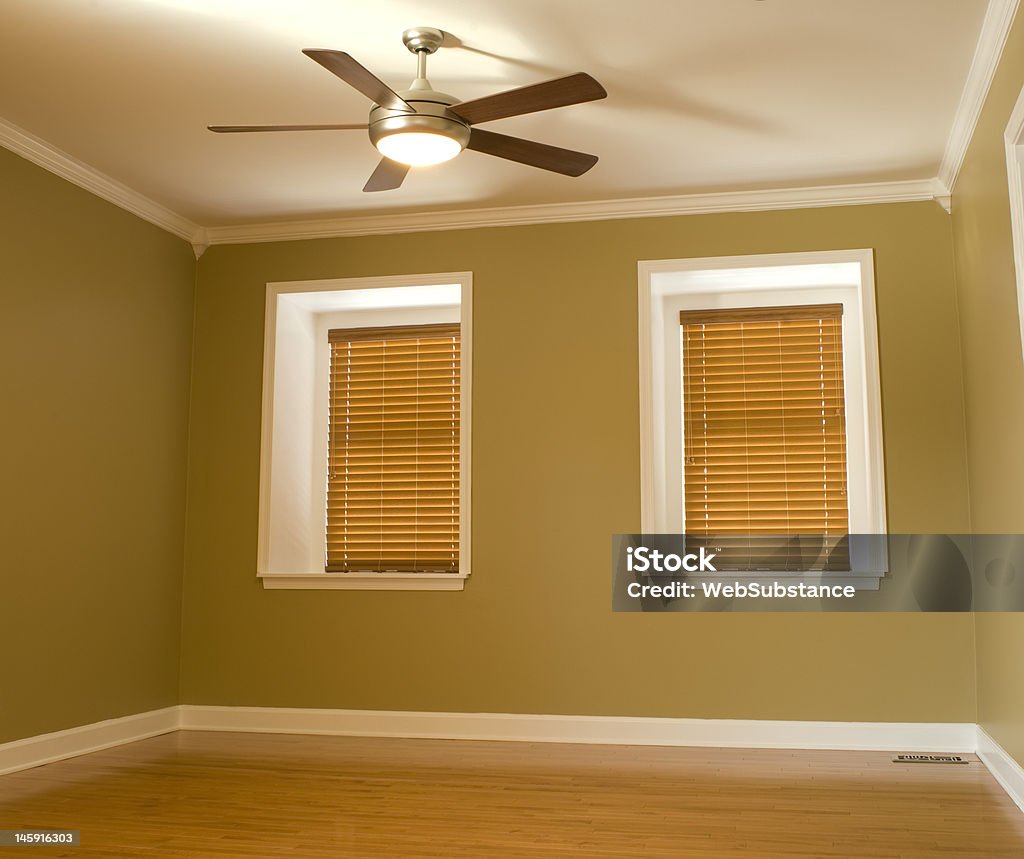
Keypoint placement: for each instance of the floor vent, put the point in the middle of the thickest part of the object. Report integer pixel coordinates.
(929, 759)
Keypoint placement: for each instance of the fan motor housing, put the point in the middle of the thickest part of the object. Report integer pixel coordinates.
(432, 117)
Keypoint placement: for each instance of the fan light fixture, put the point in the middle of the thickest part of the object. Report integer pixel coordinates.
(418, 149)
(418, 139)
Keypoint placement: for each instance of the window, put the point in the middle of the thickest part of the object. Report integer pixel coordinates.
(764, 429)
(393, 472)
(760, 407)
(366, 446)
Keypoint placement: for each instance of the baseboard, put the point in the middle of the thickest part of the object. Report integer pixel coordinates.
(1004, 768)
(611, 730)
(46, 748)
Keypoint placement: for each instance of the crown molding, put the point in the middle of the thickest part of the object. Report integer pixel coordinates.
(600, 210)
(942, 194)
(995, 29)
(67, 167)
(51, 158)
(200, 241)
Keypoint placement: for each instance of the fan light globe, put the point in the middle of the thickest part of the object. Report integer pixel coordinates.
(418, 148)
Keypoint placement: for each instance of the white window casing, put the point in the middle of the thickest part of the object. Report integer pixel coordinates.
(293, 450)
(667, 287)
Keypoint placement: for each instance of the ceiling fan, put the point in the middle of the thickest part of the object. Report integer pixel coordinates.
(420, 126)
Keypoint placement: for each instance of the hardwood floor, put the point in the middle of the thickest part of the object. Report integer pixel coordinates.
(266, 795)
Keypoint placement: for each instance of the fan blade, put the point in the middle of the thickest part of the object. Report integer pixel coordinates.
(235, 129)
(573, 89)
(568, 162)
(388, 176)
(341, 64)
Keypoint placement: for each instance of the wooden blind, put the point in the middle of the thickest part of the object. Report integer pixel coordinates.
(764, 424)
(393, 470)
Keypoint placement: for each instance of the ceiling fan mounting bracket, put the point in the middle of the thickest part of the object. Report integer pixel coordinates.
(424, 40)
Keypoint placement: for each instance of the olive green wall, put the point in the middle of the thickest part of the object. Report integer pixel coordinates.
(556, 472)
(993, 382)
(96, 311)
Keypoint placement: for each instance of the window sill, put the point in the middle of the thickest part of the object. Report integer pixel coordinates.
(365, 581)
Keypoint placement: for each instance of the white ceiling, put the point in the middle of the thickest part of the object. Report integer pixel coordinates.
(703, 95)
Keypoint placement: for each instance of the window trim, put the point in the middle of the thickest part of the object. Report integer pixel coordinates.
(659, 299)
(314, 578)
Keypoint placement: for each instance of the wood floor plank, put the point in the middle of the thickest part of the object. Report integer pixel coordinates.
(192, 794)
